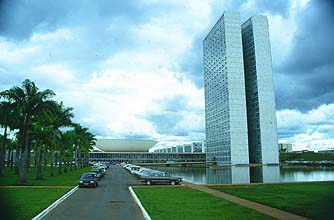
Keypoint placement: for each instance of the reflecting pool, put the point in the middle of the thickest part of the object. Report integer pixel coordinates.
(246, 174)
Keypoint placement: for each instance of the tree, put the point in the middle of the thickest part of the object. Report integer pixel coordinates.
(59, 117)
(7, 120)
(41, 133)
(30, 102)
(83, 142)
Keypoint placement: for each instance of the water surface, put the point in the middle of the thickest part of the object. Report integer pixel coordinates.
(245, 174)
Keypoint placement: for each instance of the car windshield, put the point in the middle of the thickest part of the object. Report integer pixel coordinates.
(88, 176)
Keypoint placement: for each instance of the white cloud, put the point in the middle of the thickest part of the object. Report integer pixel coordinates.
(310, 130)
(113, 95)
(62, 34)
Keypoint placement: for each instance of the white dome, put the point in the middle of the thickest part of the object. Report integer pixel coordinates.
(124, 145)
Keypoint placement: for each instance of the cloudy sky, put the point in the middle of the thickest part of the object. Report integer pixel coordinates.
(134, 68)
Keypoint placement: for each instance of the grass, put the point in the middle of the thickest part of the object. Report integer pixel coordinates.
(66, 179)
(311, 200)
(25, 203)
(165, 203)
(307, 156)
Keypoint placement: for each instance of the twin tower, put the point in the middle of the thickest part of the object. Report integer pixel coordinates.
(240, 113)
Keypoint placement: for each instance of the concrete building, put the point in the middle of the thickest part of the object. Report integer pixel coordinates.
(124, 145)
(198, 147)
(225, 98)
(287, 148)
(240, 108)
(192, 147)
(261, 109)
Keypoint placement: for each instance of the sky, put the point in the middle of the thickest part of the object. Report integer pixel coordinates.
(134, 69)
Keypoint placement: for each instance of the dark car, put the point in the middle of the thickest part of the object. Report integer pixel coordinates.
(88, 179)
(160, 177)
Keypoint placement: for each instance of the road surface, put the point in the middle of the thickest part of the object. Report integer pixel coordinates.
(110, 200)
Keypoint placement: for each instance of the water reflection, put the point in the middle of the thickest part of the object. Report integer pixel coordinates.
(245, 174)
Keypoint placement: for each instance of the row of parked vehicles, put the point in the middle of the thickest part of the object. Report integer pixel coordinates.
(150, 176)
(91, 178)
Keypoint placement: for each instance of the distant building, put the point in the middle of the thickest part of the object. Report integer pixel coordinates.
(287, 148)
(330, 151)
(192, 147)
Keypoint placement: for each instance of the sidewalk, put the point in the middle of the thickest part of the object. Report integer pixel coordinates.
(36, 187)
(276, 213)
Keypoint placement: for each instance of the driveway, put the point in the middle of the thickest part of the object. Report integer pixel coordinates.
(110, 200)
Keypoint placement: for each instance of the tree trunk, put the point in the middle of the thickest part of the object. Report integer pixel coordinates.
(17, 158)
(18, 152)
(71, 165)
(45, 158)
(36, 158)
(75, 157)
(60, 161)
(29, 156)
(56, 159)
(9, 157)
(25, 153)
(3, 153)
(52, 162)
(79, 158)
(65, 166)
(39, 175)
(11, 160)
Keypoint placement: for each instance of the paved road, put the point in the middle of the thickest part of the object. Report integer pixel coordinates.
(110, 200)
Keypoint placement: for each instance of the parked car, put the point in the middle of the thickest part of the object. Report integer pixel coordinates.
(98, 173)
(134, 169)
(88, 179)
(160, 177)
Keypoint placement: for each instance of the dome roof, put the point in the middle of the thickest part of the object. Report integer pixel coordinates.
(124, 145)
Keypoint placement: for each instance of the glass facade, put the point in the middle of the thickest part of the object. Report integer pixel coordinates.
(240, 112)
(225, 101)
(261, 110)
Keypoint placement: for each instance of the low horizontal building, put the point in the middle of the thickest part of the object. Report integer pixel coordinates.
(193, 147)
(143, 157)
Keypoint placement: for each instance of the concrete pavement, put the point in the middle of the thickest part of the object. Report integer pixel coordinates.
(110, 200)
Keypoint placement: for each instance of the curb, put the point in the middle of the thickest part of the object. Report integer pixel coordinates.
(55, 204)
(146, 215)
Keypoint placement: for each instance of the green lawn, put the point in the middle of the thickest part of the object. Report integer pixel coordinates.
(25, 203)
(165, 203)
(307, 156)
(66, 179)
(312, 200)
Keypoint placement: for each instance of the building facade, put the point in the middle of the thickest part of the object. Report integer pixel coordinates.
(192, 147)
(285, 148)
(240, 108)
(261, 110)
(225, 98)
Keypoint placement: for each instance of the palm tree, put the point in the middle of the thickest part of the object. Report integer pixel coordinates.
(60, 117)
(41, 133)
(30, 102)
(84, 142)
(67, 139)
(7, 120)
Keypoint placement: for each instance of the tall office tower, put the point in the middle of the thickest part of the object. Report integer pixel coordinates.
(261, 110)
(225, 99)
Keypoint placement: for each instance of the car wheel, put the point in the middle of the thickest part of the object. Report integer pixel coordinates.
(148, 182)
(95, 185)
(172, 182)
(80, 186)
